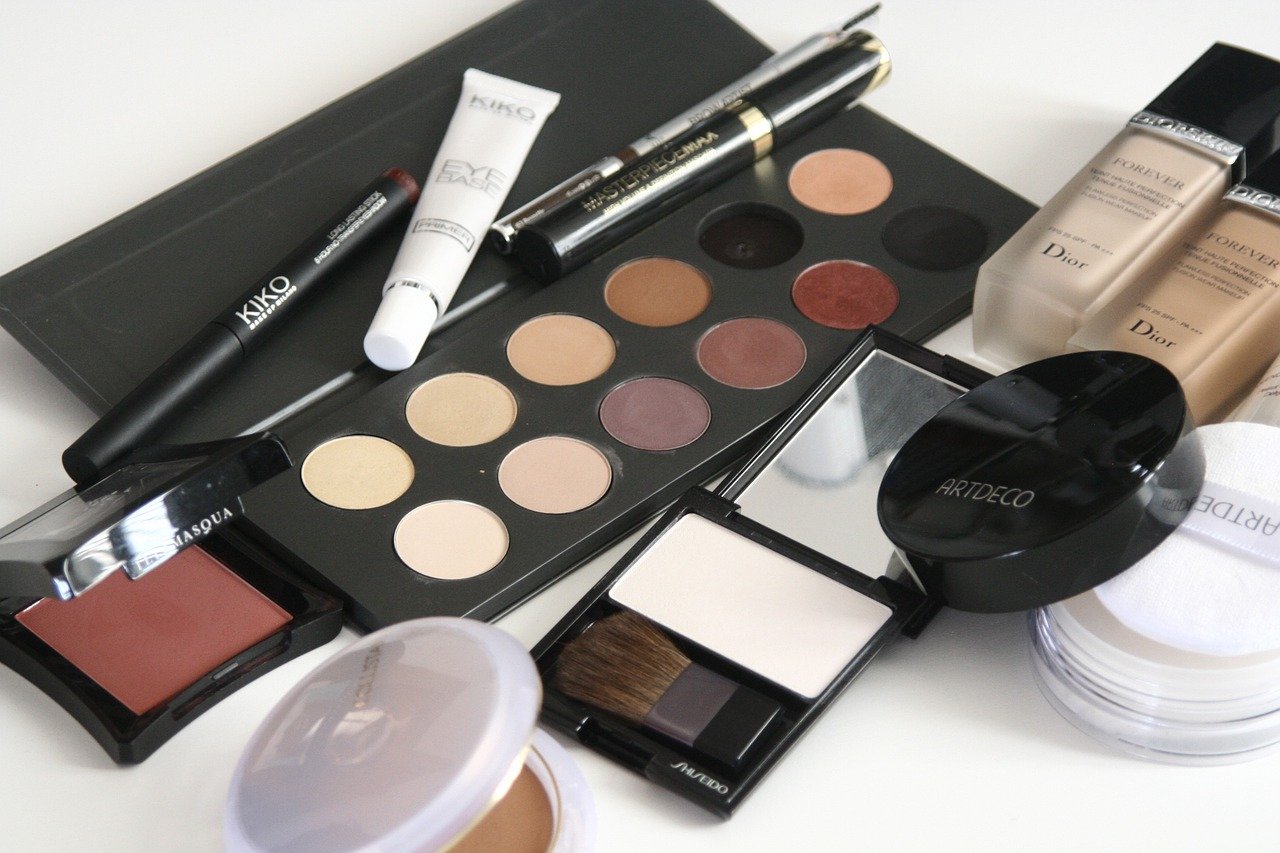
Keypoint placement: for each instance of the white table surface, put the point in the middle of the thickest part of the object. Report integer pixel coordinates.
(943, 743)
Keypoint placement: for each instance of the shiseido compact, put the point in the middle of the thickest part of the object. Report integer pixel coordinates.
(134, 606)
(740, 615)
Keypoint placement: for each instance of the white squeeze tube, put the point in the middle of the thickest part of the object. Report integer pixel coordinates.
(488, 138)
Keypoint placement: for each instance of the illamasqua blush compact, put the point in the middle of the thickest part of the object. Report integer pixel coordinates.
(852, 524)
(135, 608)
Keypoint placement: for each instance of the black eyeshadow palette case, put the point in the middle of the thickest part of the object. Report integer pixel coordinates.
(76, 311)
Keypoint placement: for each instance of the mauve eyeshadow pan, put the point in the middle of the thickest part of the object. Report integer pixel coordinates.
(144, 641)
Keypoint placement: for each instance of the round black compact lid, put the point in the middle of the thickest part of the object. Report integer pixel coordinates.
(1230, 92)
(1043, 482)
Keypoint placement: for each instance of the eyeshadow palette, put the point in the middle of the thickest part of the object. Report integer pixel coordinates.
(560, 422)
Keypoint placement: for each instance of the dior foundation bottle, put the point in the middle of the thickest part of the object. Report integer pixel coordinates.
(1262, 406)
(1209, 310)
(1165, 170)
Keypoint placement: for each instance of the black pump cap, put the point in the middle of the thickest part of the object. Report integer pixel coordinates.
(1232, 93)
(1043, 482)
(1266, 176)
(817, 89)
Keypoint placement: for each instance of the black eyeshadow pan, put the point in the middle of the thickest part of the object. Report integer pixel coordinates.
(935, 238)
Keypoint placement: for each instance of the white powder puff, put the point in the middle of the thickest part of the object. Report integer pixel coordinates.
(1193, 594)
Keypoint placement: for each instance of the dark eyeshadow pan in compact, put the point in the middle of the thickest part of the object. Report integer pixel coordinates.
(935, 238)
(751, 236)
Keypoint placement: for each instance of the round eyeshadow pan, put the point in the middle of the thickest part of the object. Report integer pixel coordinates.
(657, 292)
(845, 294)
(751, 236)
(357, 472)
(461, 409)
(655, 413)
(934, 238)
(751, 352)
(840, 181)
(560, 349)
(555, 475)
(451, 540)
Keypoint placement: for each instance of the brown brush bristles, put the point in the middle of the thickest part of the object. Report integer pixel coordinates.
(621, 664)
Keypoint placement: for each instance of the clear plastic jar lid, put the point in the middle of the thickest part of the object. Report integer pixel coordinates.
(403, 741)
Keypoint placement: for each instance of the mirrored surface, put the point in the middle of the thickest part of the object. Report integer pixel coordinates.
(821, 488)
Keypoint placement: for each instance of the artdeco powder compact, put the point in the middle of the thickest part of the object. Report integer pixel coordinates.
(1043, 482)
(420, 737)
(124, 605)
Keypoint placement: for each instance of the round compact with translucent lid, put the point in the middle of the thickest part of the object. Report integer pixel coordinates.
(419, 737)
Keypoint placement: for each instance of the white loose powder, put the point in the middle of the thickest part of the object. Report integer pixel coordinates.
(1195, 594)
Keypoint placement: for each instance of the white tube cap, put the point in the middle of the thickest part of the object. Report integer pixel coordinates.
(400, 327)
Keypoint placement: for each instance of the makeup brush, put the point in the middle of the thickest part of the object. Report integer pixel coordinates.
(626, 665)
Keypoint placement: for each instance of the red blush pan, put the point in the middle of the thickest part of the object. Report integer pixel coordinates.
(144, 641)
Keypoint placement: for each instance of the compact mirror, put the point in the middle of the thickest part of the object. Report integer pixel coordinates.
(817, 480)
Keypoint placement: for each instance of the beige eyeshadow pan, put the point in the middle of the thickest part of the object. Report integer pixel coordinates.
(461, 409)
(451, 540)
(357, 472)
(555, 475)
(560, 349)
(840, 181)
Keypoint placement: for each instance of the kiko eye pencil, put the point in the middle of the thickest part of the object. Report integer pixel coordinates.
(223, 343)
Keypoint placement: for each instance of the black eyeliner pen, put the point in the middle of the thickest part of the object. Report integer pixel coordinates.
(223, 343)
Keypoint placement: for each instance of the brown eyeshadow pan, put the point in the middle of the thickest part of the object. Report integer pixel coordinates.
(145, 640)
(751, 352)
(845, 294)
(657, 292)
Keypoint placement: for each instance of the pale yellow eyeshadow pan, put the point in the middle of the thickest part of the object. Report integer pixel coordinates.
(461, 409)
(451, 540)
(357, 472)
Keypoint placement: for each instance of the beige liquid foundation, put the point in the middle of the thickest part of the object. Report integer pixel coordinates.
(1210, 309)
(1165, 171)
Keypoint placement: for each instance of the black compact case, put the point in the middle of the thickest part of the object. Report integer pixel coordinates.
(154, 505)
(807, 495)
(76, 307)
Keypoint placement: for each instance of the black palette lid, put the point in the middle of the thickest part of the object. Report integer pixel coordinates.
(1230, 92)
(1043, 482)
(148, 509)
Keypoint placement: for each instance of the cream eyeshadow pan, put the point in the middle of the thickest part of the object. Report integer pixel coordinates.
(760, 609)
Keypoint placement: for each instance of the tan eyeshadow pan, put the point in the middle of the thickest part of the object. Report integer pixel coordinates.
(560, 349)
(461, 409)
(840, 181)
(657, 292)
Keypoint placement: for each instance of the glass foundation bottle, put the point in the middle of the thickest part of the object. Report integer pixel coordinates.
(1209, 310)
(1164, 171)
(1262, 406)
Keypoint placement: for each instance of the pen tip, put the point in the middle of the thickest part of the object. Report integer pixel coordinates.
(404, 179)
(861, 16)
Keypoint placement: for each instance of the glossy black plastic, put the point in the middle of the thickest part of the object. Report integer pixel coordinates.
(1043, 482)
(1231, 92)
